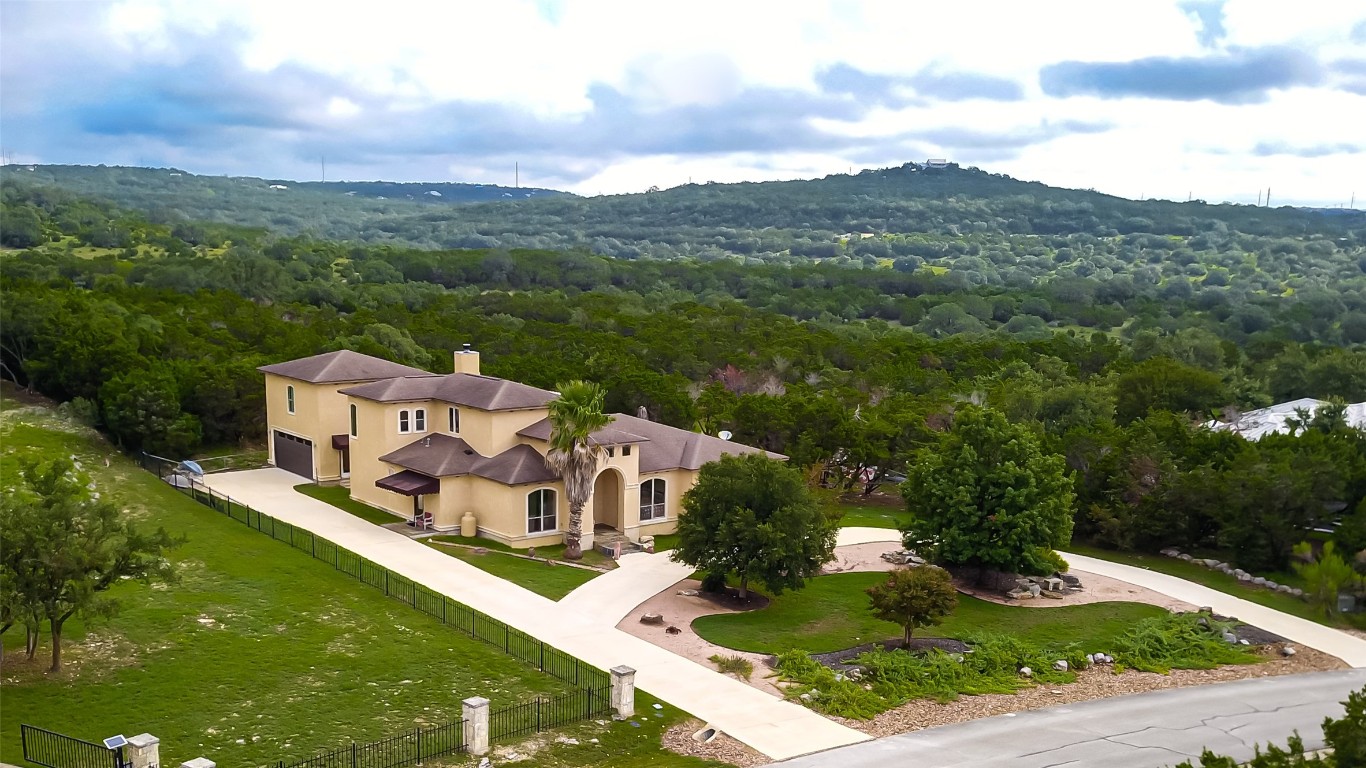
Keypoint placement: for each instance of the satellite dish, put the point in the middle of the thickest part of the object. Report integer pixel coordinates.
(724, 434)
(114, 742)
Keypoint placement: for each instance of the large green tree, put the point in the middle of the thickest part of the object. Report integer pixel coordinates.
(65, 547)
(753, 516)
(988, 496)
(574, 416)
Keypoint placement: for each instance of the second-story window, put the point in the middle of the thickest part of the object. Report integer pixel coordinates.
(420, 420)
(404, 424)
(289, 397)
(455, 420)
(353, 419)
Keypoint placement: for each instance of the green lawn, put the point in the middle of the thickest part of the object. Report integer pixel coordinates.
(553, 552)
(872, 516)
(1214, 580)
(831, 614)
(259, 653)
(552, 581)
(340, 497)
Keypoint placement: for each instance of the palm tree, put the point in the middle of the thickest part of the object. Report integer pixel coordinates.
(574, 415)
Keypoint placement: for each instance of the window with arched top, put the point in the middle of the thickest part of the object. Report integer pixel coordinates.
(353, 419)
(289, 397)
(540, 511)
(652, 500)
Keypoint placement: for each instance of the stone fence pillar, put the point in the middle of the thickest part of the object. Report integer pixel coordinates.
(624, 691)
(143, 751)
(476, 713)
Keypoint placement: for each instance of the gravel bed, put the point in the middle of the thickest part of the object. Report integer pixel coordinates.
(724, 748)
(1094, 683)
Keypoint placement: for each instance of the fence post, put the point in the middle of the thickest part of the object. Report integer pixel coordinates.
(623, 692)
(144, 751)
(199, 762)
(476, 713)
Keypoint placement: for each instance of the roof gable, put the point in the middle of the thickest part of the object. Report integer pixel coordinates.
(483, 392)
(340, 366)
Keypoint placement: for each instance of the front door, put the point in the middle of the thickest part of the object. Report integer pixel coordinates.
(607, 490)
(346, 461)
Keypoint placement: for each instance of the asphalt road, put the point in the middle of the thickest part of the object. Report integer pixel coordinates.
(1147, 730)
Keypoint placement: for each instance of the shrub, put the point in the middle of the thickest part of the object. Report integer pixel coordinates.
(733, 665)
(1178, 641)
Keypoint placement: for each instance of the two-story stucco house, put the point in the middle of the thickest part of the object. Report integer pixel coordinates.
(466, 451)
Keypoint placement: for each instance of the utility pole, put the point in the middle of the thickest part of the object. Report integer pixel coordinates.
(1268, 197)
(1259, 197)
(323, 161)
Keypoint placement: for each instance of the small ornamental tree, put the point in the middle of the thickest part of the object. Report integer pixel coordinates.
(988, 496)
(754, 517)
(914, 597)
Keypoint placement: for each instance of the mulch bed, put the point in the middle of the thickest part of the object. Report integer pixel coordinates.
(730, 600)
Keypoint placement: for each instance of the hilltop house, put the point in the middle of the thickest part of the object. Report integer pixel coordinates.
(464, 451)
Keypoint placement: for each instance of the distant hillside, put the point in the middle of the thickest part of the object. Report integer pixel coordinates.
(875, 216)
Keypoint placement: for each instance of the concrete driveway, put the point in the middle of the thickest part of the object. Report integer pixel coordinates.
(1146, 730)
(583, 627)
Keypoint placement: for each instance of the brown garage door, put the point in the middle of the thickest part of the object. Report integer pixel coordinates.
(294, 454)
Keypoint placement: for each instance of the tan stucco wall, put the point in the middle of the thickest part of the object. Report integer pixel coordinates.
(501, 511)
(676, 483)
(319, 413)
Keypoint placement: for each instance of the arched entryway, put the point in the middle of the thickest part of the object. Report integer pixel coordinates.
(607, 499)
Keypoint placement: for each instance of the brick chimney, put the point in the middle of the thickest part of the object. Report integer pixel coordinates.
(467, 361)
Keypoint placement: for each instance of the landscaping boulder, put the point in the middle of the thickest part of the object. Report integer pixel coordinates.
(1230, 638)
(1284, 589)
(1288, 651)
(1210, 562)
(652, 618)
(1069, 579)
(1170, 552)
(1052, 585)
(1297, 592)
(1026, 672)
(1259, 581)
(1184, 556)
(1060, 665)
(1020, 593)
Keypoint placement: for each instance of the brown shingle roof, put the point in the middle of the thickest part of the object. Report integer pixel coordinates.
(483, 392)
(339, 366)
(440, 455)
(608, 435)
(664, 447)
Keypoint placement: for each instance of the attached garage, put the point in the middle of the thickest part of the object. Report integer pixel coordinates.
(294, 454)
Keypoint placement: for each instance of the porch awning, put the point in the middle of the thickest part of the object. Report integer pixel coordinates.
(340, 442)
(409, 483)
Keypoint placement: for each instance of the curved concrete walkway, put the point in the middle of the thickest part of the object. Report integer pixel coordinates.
(583, 627)
(1349, 648)
(609, 598)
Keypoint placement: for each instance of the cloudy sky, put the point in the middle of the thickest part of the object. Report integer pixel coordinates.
(1138, 98)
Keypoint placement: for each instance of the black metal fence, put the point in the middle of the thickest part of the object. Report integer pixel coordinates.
(453, 613)
(403, 749)
(54, 750)
(544, 713)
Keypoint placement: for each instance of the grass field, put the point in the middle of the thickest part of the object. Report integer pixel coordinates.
(831, 614)
(259, 653)
(553, 552)
(872, 516)
(1214, 580)
(552, 581)
(340, 497)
